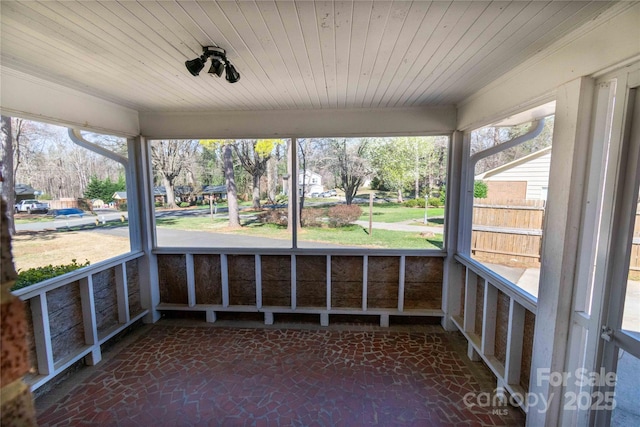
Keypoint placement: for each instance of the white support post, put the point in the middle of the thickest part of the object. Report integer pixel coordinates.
(211, 316)
(268, 318)
(42, 334)
(489, 313)
(224, 273)
(142, 224)
(294, 288)
(324, 319)
(89, 322)
(365, 278)
(401, 284)
(384, 320)
(453, 270)
(515, 339)
(328, 283)
(560, 246)
(191, 280)
(122, 292)
(258, 271)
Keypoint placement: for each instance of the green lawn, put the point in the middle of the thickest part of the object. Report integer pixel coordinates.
(393, 212)
(353, 235)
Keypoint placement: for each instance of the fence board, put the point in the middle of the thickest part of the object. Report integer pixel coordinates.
(508, 232)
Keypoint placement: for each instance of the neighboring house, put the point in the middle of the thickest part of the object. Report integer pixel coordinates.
(525, 178)
(217, 191)
(24, 192)
(99, 203)
(310, 182)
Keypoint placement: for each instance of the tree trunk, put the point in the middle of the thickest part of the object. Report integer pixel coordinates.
(8, 183)
(272, 179)
(400, 200)
(256, 191)
(171, 197)
(232, 191)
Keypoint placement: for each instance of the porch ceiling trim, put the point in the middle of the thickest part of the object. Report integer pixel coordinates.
(29, 97)
(299, 123)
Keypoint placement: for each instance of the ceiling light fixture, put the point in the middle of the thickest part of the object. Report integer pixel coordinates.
(219, 63)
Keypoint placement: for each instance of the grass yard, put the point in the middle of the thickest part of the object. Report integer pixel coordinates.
(38, 249)
(393, 212)
(353, 235)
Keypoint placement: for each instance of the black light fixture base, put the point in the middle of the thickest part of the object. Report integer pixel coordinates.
(219, 63)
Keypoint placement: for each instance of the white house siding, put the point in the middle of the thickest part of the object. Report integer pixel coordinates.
(535, 172)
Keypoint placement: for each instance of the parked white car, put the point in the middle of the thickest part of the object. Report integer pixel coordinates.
(31, 206)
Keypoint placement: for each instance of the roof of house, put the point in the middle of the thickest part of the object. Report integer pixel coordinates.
(24, 190)
(511, 165)
(215, 189)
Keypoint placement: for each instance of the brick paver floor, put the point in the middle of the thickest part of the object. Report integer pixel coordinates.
(220, 376)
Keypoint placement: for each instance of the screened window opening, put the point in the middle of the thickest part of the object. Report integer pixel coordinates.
(510, 188)
(70, 203)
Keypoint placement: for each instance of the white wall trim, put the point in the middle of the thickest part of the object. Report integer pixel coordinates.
(421, 121)
(29, 97)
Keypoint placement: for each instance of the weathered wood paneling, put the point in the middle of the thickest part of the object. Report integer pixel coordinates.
(383, 282)
(423, 283)
(479, 307)
(31, 342)
(65, 320)
(106, 300)
(346, 281)
(276, 280)
(527, 348)
(133, 285)
(502, 326)
(242, 279)
(208, 279)
(172, 278)
(311, 281)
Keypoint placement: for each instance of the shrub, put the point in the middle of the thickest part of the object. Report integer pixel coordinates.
(159, 204)
(311, 217)
(39, 274)
(414, 203)
(122, 207)
(434, 201)
(274, 216)
(342, 215)
(480, 189)
(184, 205)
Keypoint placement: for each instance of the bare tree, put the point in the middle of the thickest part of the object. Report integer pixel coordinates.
(346, 159)
(254, 155)
(232, 191)
(170, 159)
(7, 178)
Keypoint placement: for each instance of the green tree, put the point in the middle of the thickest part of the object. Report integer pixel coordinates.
(104, 189)
(480, 190)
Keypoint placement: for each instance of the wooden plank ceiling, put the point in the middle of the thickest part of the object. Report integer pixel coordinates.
(290, 54)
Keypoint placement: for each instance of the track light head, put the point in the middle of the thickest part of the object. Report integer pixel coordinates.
(217, 67)
(195, 65)
(232, 75)
(219, 63)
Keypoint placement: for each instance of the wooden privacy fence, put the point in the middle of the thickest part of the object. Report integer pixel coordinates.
(508, 232)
